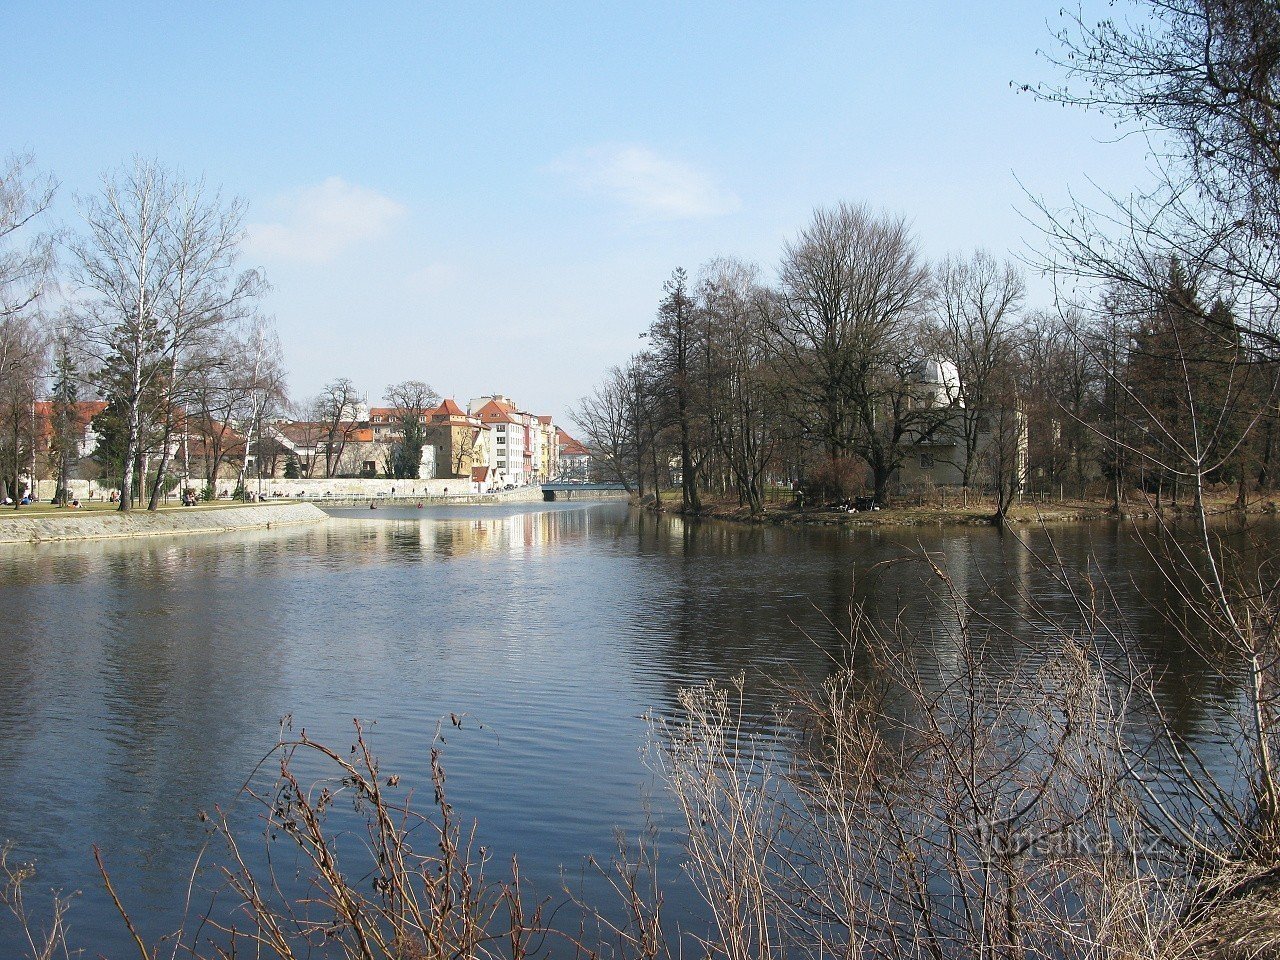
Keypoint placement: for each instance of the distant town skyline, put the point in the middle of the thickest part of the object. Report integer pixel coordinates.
(490, 199)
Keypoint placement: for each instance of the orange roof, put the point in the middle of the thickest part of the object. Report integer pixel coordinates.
(86, 409)
(570, 447)
(496, 410)
(545, 419)
(479, 474)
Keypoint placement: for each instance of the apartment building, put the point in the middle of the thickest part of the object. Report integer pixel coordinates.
(510, 440)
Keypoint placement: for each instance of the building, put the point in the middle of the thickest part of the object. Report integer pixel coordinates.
(549, 449)
(348, 449)
(939, 457)
(515, 439)
(574, 460)
(387, 427)
(454, 437)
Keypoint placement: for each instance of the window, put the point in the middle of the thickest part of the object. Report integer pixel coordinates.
(926, 461)
(502, 439)
(377, 418)
(984, 424)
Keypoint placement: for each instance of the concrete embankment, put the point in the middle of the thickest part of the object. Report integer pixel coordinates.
(98, 525)
(523, 495)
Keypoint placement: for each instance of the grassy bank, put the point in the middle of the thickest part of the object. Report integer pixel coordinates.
(951, 510)
(104, 506)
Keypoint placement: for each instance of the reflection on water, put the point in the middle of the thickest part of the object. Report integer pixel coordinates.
(141, 681)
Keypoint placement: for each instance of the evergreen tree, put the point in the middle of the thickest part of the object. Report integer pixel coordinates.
(406, 454)
(65, 426)
(111, 429)
(1187, 374)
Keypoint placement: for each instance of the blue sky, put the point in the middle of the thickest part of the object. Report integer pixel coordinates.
(489, 196)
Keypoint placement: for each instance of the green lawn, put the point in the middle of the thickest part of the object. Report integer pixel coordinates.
(46, 509)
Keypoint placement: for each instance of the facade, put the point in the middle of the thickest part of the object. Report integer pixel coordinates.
(454, 438)
(522, 445)
(573, 461)
(385, 424)
(509, 439)
(200, 449)
(355, 448)
(86, 438)
(940, 458)
(549, 449)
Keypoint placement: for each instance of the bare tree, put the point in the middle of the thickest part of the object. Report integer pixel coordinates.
(206, 300)
(337, 409)
(412, 400)
(26, 349)
(126, 270)
(266, 394)
(974, 314)
(230, 389)
(1061, 390)
(847, 336)
(737, 309)
(26, 259)
(1200, 79)
(604, 419)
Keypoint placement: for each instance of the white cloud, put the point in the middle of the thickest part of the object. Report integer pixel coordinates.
(318, 223)
(653, 186)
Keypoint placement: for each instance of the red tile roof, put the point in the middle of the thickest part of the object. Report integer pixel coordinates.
(570, 447)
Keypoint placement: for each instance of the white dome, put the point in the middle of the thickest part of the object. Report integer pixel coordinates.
(942, 378)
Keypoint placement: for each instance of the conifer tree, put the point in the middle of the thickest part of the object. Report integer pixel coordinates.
(65, 425)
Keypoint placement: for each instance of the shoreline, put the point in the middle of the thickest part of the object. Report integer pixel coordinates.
(17, 528)
(977, 515)
(114, 525)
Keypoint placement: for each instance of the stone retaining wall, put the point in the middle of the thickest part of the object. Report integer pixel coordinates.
(523, 495)
(70, 525)
(352, 488)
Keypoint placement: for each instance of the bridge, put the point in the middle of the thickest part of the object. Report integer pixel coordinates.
(582, 491)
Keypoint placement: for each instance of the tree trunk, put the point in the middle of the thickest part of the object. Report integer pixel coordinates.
(130, 455)
(154, 503)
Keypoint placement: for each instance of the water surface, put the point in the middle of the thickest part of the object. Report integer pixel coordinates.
(140, 681)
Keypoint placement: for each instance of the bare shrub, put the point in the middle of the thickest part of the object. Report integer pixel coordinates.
(836, 479)
(1001, 806)
(46, 940)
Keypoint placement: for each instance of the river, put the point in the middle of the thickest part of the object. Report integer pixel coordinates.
(141, 681)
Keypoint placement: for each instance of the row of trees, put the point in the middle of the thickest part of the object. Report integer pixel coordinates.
(148, 310)
(1153, 374)
(861, 355)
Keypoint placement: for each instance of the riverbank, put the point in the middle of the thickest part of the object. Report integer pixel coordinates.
(66, 524)
(977, 512)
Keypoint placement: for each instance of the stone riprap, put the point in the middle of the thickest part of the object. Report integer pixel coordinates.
(70, 525)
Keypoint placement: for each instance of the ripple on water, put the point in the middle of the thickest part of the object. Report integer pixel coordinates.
(141, 681)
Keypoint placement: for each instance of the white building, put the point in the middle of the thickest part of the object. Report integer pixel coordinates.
(509, 442)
